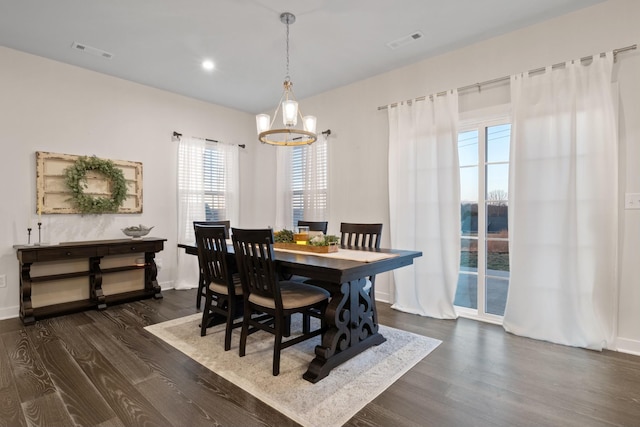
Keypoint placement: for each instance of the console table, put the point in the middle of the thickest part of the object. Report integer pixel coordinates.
(93, 251)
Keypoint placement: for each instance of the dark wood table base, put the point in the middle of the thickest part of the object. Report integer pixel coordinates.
(352, 328)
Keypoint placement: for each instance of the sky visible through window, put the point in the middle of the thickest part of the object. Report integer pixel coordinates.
(497, 150)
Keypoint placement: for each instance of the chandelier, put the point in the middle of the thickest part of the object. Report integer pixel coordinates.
(289, 134)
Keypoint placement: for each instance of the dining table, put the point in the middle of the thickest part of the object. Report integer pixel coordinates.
(351, 316)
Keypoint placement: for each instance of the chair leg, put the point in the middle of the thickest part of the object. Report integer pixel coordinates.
(205, 314)
(245, 330)
(306, 323)
(279, 324)
(201, 286)
(229, 328)
(287, 326)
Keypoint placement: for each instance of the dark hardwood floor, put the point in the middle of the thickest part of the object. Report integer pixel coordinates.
(101, 369)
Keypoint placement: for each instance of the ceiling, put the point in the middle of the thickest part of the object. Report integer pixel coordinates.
(161, 43)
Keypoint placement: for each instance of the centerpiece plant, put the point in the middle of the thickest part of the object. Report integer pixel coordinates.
(287, 236)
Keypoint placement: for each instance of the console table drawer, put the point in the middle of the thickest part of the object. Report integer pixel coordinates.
(133, 247)
(57, 254)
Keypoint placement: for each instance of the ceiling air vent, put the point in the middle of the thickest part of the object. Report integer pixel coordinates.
(91, 50)
(403, 41)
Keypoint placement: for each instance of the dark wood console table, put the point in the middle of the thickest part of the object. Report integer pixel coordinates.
(93, 251)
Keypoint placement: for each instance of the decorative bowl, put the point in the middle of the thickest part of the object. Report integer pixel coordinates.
(137, 231)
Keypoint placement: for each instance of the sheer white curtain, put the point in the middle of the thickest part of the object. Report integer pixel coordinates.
(190, 206)
(424, 202)
(563, 206)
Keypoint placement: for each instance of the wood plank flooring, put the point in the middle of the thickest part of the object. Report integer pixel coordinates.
(102, 369)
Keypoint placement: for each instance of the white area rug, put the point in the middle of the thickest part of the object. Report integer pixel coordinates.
(330, 402)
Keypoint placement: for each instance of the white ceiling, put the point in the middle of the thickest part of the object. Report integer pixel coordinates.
(161, 43)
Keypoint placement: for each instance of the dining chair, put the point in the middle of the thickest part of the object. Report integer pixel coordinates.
(202, 291)
(224, 289)
(264, 292)
(362, 236)
(315, 225)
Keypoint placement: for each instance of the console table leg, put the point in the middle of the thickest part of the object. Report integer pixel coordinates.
(95, 281)
(151, 275)
(26, 307)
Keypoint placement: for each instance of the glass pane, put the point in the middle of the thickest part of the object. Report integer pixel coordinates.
(467, 291)
(469, 184)
(469, 255)
(496, 295)
(498, 220)
(469, 219)
(498, 258)
(497, 143)
(497, 182)
(468, 148)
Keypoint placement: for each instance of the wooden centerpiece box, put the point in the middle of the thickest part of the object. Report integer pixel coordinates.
(307, 248)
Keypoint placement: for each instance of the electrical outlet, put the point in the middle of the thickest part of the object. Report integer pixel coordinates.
(3, 280)
(159, 263)
(632, 201)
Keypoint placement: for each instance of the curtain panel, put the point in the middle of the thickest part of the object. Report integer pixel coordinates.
(190, 206)
(191, 198)
(563, 205)
(424, 202)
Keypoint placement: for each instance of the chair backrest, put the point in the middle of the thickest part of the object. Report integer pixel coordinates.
(315, 225)
(225, 222)
(256, 262)
(360, 235)
(212, 253)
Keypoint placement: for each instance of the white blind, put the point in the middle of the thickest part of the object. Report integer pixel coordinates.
(309, 182)
(215, 184)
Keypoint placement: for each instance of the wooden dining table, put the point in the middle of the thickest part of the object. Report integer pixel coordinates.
(351, 318)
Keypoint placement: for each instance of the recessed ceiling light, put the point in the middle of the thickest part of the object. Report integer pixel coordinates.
(208, 65)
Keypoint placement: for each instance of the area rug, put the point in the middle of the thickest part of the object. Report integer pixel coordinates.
(330, 402)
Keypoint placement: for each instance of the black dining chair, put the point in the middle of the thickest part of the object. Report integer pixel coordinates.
(202, 292)
(224, 289)
(362, 236)
(264, 292)
(315, 225)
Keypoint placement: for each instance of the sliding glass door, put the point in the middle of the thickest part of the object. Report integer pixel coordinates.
(483, 281)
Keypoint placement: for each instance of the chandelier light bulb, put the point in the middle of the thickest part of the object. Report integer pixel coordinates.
(263, 122)
(289, 113)
(309, 123)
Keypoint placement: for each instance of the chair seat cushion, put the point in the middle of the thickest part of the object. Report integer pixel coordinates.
(222, 288)
(293, 295)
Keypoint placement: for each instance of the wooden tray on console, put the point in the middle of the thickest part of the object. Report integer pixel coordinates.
(306, 248)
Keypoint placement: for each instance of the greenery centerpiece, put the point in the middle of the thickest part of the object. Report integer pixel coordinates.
(76, 181)
(320, 243)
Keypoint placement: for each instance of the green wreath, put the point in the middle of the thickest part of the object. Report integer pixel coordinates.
(76, 180)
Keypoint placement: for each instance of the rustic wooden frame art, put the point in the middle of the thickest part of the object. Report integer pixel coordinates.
(54, 197)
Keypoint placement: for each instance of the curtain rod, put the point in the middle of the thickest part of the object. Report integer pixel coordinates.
(179, 135)
(500, 79)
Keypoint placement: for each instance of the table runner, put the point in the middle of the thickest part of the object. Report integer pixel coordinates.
(347, 254)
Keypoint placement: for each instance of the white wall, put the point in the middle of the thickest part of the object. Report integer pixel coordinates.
(359, 143)
(50, 106)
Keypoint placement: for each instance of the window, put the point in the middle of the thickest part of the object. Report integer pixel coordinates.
(309, 182)
(207, 184)
(483, 150)
(213, 169)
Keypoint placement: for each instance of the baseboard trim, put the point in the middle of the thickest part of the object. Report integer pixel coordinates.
(383, 297)
(9, 312)
(624, 345)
